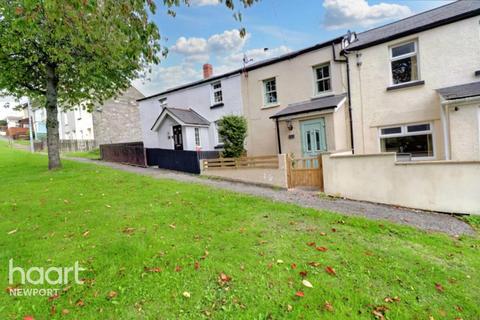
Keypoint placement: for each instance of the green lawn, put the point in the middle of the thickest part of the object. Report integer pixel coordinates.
(149, 244)
(92, 154)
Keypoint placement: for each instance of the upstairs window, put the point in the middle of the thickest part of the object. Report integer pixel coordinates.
(404, 62)
(322, 79)
(410, 141)
(217, 92)
(270, 91)
(163, 102)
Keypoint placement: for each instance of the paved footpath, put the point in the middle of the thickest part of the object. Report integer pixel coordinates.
(429, 221)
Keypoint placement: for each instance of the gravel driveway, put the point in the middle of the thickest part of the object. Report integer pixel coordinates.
(430, 221)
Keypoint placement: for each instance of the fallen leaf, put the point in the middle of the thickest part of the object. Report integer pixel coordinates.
(108, 206)
(66, 201)
(80, 303)
(86, 233)
(128, 230)
(289, 308)
(439, 287)
(279, 261)
(293, 266)
(330, 270)
(300, 294)
(28, 318)
(328, 306)
(303, 273)
(223, 278)
(186, 294)
(458, 308)
(53, 310)
(379, 312)
(307, 283)
(391, 299)
(314, 264)
(53, 297)
(196, 265)
(111, 295)
(323, 234)
(153, 269)
(12, 232)
(322, 249)
(205, 255)
(334, 230)
(311, 244)
(173, 226)
(65, 311)
(178, 268)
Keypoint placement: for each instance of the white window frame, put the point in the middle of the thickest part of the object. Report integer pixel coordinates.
(214, 90)
(218, 138)
(404, 133)
(265, 92)
(196, 132)
(403, 56)
(317, 93)
(163, 102)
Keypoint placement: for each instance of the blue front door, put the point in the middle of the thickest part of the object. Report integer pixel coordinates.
(314, 140)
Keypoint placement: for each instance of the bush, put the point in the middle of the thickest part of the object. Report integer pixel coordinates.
(233, 130)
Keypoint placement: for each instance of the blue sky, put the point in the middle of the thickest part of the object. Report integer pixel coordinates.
(206, 32)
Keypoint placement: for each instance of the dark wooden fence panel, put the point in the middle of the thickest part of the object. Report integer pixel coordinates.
(186, 161)
(130, 153)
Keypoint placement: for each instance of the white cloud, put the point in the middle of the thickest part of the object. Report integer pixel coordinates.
(202, 3)
(229, 40)
(190, 46)
(348, 13)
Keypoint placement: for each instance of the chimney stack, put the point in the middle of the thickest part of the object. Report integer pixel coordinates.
(207, 70)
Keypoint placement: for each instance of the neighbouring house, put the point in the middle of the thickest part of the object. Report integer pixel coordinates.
(297, 103)
(415, 85)
(75, 124)
(17, 126)
(118, 119)
(185, 117)
(39, 120)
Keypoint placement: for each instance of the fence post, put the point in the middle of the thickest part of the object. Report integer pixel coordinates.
(289, 171)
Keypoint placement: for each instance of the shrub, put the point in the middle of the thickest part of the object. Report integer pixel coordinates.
(233, 131)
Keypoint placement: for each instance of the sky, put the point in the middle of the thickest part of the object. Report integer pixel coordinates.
(207, 32)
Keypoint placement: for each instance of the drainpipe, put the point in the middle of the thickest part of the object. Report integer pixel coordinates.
(278, 137)
(446, 137)
(347, 62)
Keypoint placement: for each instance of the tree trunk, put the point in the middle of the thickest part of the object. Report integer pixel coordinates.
(53, 139)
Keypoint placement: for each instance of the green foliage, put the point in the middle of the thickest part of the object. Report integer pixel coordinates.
(3, 123)
(233, 130)
(124, 225)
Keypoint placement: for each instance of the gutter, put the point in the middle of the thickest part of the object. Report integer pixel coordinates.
(347, 62)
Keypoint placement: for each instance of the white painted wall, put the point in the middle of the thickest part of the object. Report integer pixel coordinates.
(447, 56)
(199, 99)
(75, 125)
(446, 186)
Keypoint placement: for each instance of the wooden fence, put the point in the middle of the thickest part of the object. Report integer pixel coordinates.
(131, 153)
(305, 172)
(270, 162)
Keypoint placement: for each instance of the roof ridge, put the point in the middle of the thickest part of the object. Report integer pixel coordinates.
(412, 16)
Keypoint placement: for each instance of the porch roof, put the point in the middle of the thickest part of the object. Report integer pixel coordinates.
(182, 116)
(461, 91)
(317, 104)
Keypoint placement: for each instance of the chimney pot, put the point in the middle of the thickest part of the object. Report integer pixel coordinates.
(207, 70)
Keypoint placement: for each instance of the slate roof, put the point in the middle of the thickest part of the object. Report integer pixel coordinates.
(249, 67)
(460, 91)
(318, 104)
(449, 13)
(186, 116)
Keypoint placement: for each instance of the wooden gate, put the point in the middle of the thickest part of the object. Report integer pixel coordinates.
(305, 172)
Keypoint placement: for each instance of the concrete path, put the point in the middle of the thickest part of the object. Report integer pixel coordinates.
(429, 221)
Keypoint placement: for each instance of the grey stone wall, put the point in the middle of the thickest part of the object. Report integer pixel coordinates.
(118, 120)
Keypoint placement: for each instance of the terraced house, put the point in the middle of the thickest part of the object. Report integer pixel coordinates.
(415, 85)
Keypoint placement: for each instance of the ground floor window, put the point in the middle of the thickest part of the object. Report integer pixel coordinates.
(413, 140)
(197, 137)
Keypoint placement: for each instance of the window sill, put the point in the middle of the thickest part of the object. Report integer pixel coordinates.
(406, 85)
(217, 105)
(270, 106)
(322, 95)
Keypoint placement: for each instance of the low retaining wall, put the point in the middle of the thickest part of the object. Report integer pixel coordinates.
(276, 177)
(445, 186)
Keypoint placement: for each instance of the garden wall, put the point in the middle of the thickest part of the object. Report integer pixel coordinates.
(445, 186)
